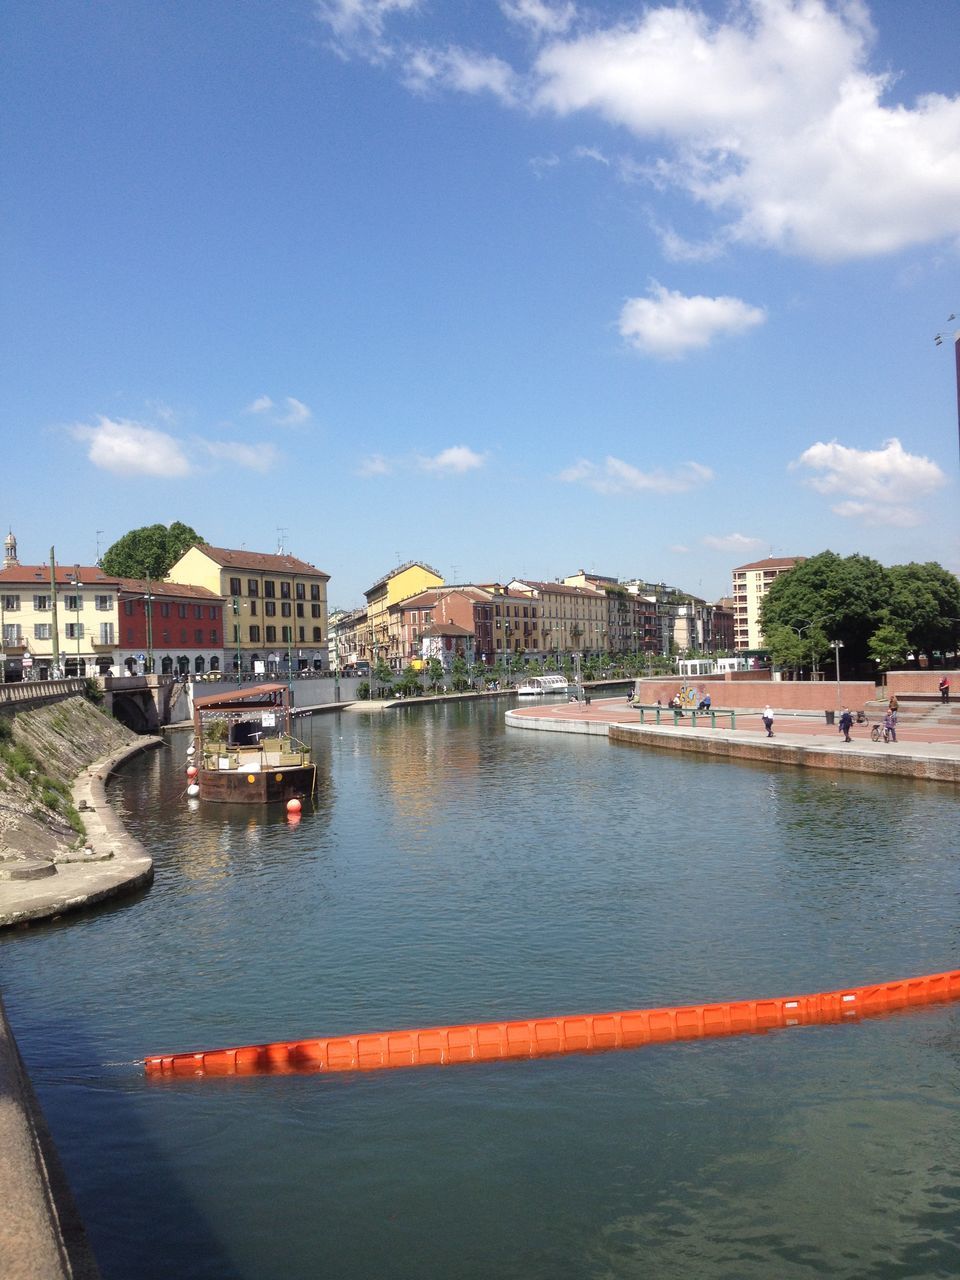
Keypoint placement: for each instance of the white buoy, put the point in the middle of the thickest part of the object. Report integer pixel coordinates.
(191, 750)
(193, 789)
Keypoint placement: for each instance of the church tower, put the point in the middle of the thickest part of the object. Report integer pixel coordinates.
(10, 551)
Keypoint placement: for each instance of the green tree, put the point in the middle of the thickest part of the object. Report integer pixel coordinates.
(149, 552)
(459, 673)
(834, 597)
(478, 673)
(383, 677)
(408, 682)
(434, 673)
(924, 602)
(888, 646)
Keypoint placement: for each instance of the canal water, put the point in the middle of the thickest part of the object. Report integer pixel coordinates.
(455, 870)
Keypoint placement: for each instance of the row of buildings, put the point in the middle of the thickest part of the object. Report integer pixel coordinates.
(411, 615)
(228, 611)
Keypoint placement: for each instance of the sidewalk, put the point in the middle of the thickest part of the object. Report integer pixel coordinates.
(924, 750)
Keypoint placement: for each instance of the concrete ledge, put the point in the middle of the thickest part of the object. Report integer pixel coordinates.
(924, 764)
(41, 1236)
(594, 728)
(120, 864)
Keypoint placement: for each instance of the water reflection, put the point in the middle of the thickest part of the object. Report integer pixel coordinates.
(452, 870)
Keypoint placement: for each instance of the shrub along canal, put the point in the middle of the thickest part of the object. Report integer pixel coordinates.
(453, 870)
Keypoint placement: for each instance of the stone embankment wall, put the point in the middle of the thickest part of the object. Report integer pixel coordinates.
(784, 695)
(62, 738)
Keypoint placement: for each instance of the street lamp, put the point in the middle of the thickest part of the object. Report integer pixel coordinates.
(836, 646)
(506, 642)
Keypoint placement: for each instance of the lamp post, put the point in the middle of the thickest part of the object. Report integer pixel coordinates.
(836, 646)
(77, 585)
(506, 645)
(236, 635)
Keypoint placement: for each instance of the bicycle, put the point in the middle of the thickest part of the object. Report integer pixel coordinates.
(880, 731)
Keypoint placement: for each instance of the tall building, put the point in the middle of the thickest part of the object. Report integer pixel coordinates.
(275, 611)
(751, 582)
(382, 628)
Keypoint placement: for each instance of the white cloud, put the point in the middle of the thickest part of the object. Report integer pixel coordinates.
(296, 412)
(542, 164)
(772, 121)
(731, 542)
(459, 69)
(130, 449)
(878, 487)
(614, 475)
(769, 118)
(252, 457)
(668, 324)
(539, 16)
(375, 465)
(591, 153)
(453, 461)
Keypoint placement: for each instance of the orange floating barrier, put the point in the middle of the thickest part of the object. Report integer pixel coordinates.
(540, 1037)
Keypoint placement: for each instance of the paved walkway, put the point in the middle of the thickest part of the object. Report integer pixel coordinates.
(798, 738)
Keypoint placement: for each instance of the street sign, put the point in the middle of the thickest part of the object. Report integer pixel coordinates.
(141, 657)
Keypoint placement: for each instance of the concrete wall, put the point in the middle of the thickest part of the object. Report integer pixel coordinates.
(786, 695)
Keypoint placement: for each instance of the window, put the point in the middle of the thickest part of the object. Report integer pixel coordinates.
(129, 635)
(74, 630)
(166, 637)
(270, 634)
(234, 586)
(198, 636)
(182, 610)
(284, 590)
(253, 608)
(212, 612)
(299, 609)
(269, 608)
(165, 610)
(213, 637)
(255, 634)
(285, 609)
(106, 633)
(11, 633)
(102, 603)
(183, 635)
(314, 611)
(198, 611)
(253, 587)
(301, 591)
(316, 634)
(73, 603)
(314, 591)
(41, 603)
(270, 588)
(11, 604)
(286, 634)
(300, 632)
(41, 631)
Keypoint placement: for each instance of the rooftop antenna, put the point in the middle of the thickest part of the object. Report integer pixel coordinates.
(281, 535)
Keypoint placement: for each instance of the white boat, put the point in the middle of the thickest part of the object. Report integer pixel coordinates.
(536, 686)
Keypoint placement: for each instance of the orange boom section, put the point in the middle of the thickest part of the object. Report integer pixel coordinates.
(539, 1037)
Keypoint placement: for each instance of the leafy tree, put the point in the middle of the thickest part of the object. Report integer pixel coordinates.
(149, 552)
(383, 676)
(459, 673)
(924, 602)
(478, 673)
(834, 597)
(888, 646)
(434, 673)
(408, 682)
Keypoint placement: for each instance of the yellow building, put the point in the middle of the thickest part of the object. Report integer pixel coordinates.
(67, 626)
(382, 640)
(275, 611)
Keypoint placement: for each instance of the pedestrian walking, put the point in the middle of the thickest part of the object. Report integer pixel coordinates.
(944, 687)
(768, 720)
(846, 723)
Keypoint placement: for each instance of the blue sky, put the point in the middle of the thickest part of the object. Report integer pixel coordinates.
(514, 287)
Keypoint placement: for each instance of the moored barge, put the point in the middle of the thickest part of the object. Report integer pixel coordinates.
(245, 751)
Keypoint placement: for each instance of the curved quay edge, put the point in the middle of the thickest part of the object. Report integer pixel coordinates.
(542, 1037)
(120, 865)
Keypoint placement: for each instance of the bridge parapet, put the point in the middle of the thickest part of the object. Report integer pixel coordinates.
(33, 693)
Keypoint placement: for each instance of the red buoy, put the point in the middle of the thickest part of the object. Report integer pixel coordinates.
(192, 771)
(293, 806)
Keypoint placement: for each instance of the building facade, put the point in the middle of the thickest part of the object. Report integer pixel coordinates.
(275, 607)
(751, 582)
(169, 628)
(382, 640)
(59, 621)
(572, 619)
